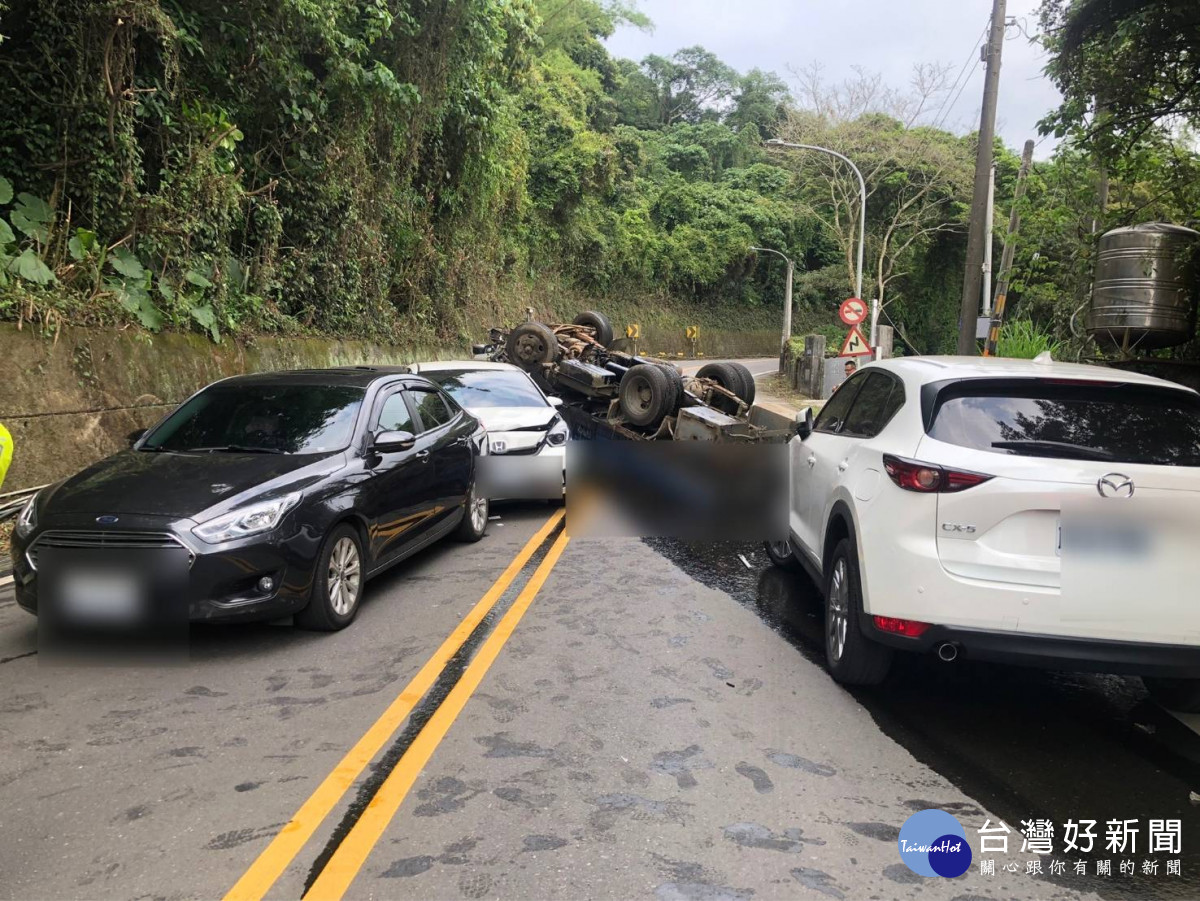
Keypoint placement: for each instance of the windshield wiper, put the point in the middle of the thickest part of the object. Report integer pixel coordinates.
(233, 449)
(1056, 448)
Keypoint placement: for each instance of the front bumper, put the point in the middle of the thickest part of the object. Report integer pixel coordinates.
(1054, 652)
(221, 583)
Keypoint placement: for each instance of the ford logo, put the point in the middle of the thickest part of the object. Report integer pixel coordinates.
(107, 520)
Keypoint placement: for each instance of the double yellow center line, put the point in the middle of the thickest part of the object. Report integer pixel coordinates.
(353, 850)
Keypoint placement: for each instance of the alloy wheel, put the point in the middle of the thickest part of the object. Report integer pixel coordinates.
(478, 511)
(345, 575)
(781, 549)
(837, 616)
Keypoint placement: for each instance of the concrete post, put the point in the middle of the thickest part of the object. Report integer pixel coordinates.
(886, 337)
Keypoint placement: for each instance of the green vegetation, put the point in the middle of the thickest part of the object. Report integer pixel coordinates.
(410, 171)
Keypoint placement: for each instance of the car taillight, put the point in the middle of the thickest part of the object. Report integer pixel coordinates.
(909, 628)
(913, 475)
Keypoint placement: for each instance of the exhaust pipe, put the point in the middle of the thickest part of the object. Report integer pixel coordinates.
(947, 652)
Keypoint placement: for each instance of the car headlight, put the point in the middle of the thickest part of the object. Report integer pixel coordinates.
(558, 434)
(27, 519)
(245, 521)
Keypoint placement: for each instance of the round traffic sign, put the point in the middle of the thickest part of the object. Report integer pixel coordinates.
(853, 311)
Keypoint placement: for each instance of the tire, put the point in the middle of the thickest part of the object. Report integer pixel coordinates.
(475, 518)
(749, 387)
(677, 379)
(783, 555)
(647, 394)
(531, 345)
(852, 658)
(598, 321)
(1182, 695)
(330, 609)
(729, 378)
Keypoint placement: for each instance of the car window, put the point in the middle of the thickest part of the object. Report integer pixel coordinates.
(1071, 420)
(874, 407)
(431, 409)
(834, 412)
(396, 416)
(285, 419)
(483, 388)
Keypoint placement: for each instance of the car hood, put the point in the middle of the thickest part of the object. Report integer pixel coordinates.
(183, 485)
(509, 419)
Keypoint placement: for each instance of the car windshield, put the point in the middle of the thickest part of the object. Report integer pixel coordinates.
(481, 388)
(284, 419)
(1071, 420)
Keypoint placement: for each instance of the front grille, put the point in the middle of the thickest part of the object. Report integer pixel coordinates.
(109, 540)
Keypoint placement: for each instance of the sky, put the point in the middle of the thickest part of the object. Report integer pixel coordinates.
(885, 36)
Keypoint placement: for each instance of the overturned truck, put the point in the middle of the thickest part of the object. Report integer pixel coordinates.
(609, 393)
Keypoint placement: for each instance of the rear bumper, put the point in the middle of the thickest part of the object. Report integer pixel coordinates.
(1052, 651)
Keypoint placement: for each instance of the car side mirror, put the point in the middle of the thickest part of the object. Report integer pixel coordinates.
(387, 442)
(555, 401)
(135, 436)
(804, 423)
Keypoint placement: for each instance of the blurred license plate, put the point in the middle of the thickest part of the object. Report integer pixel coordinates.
(1104, 538)
(101, 595)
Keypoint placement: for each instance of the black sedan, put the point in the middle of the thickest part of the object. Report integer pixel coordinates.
(258, 497)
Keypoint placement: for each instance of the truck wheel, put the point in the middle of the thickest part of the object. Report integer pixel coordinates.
(646, 395)
(852, 658)
(598, 321)
(725, 375)
(532, 344)
(677, 380)
(1182, 695)
(748, 384)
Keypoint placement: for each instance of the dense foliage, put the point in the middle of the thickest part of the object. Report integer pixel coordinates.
(390, 168)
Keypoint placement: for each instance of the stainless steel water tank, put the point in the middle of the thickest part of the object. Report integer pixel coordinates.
(1144, 295)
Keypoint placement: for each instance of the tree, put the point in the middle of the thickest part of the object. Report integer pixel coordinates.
(761, 100)
(917, 178)
(1125, 67)
(690, 86)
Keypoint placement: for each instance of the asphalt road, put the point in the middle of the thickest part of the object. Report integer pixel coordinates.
(625, 731)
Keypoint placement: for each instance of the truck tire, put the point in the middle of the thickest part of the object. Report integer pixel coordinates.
(647, 394)
(598, 321)
(748, 384)
(852, 658)
(531, 345)
(725, 375)
(677, 380)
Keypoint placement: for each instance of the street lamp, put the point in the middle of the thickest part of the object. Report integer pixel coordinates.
(787, 300)
(862, 218)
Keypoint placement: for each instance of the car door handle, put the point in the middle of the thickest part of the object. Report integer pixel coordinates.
(812, 461)
(843, 466)
(423, 456)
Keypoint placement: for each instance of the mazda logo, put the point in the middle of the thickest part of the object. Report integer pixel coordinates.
(1115, 485)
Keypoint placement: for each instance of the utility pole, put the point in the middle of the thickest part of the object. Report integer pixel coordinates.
(972, 279)
(987, 245)
(1010, 248)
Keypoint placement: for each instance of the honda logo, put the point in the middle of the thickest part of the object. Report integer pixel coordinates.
(1115, 485)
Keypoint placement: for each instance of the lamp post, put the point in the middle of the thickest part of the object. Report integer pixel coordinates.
(787, 299)
(862, 217)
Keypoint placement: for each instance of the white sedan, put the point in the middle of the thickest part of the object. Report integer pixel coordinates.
(521, 420)
(1031, 512)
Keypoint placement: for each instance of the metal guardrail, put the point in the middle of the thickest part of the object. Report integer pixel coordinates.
(12, 502)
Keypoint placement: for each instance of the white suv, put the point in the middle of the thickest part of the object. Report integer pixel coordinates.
(1023, 511)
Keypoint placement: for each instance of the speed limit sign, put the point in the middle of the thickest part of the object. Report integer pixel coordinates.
(853, 311)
